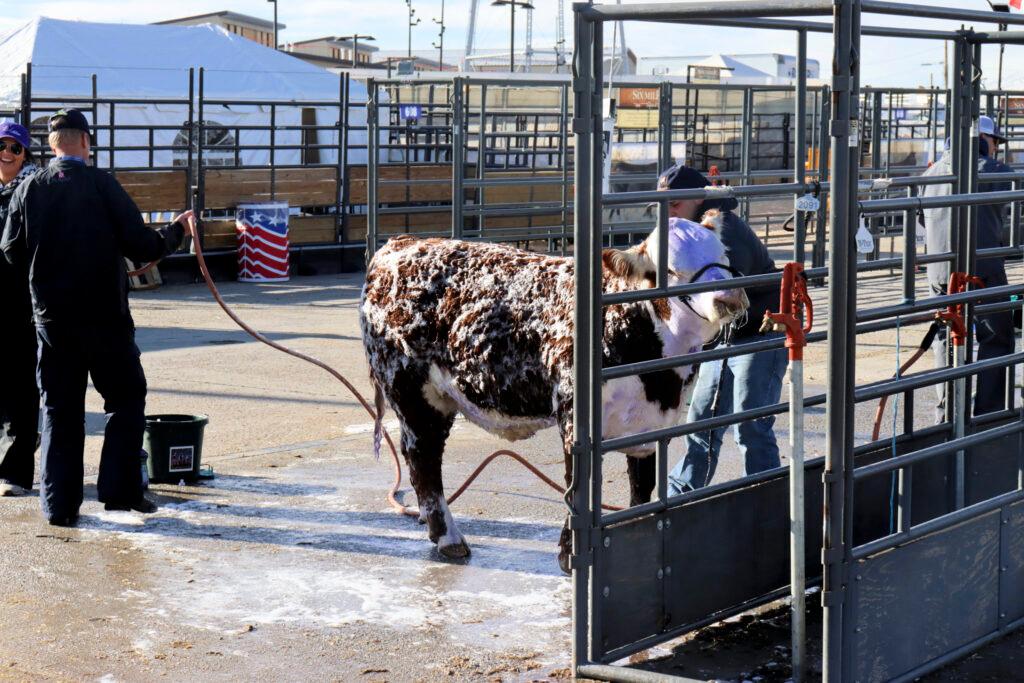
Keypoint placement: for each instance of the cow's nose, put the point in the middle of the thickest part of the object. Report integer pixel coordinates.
(732, 304)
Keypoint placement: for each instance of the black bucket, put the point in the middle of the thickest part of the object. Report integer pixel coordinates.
(175, 447)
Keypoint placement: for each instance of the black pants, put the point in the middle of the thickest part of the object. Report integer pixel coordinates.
(68, 355)
(19, 404)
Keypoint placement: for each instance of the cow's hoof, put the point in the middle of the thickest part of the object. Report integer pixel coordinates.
(563, 562)
(454, 551)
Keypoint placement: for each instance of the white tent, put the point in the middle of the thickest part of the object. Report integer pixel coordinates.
(152, 62)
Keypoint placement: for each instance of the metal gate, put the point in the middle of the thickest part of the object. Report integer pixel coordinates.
(908, 581)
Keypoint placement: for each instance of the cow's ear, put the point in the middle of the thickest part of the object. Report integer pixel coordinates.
(712, 220)
(632, 263)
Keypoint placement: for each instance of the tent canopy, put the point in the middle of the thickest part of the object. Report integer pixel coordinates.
(152, 62)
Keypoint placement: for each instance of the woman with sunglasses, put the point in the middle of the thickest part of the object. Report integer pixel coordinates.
(19, 394)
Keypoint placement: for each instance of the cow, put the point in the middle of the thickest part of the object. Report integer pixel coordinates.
(487, 330)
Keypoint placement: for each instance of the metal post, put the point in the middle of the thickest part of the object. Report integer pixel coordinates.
(481, 144)
(341, 222)
(876, 161)
(372, 167)
(578, 494)
(797, 530)
(273, 143)
(665, 159)
(746, 143)
(200, 195)
(841, 334)
(596, 318)
(800, 142)
(563, 143)
(458, 156)
(191, 127)
(824, 164)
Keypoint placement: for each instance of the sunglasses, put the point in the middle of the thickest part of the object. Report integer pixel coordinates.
(15, 147)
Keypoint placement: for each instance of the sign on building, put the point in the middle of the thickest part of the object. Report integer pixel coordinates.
(638, 98)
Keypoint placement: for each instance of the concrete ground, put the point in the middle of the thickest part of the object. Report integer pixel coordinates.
(290, 564)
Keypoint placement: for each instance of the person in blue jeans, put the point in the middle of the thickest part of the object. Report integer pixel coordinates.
(740, 383)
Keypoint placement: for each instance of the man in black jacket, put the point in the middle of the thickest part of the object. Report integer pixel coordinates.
(741, 383)
(68, 230)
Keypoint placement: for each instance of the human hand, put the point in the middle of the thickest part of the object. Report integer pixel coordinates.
(187, 220)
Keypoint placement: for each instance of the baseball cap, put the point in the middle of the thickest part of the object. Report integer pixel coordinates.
(987, 126)
(68, 119)
(10, 129)
(682, 177)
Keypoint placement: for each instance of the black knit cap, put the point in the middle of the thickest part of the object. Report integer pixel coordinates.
(69, 119)
(681, 177)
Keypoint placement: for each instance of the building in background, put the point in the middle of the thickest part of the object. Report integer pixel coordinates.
(253, 28)
(332, 51)
(422, 60)
(744, 69)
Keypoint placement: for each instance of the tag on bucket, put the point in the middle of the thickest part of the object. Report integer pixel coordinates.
(807, 203)
(865, 242)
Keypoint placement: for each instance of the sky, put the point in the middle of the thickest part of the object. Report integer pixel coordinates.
(886, 61)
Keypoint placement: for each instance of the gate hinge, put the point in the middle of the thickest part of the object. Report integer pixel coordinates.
(840, 128)
(840, 83)
(829, 477)
(831, 555)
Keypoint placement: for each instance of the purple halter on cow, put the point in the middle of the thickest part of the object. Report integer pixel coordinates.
(487, 330)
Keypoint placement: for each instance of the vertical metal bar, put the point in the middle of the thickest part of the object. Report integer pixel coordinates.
(563, 143)
(800, 142)
(480, 144)
(933, 124)
(909, 278)
(661, 268)
(1016, 238)
(596, 318)
(372, 167)
(665, 159)
(200, 172)
(341, 226)
(841, 327)
(797, 529)
(824, 164)
(190, 125)
(876, 161)
(905, 499)
(746, 143)
(458, 156)
(111, 119)
(273, 140)
(578, 494)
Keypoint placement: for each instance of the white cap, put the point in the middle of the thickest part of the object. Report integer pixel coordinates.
(986, 126)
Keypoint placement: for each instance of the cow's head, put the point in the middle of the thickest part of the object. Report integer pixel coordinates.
(696, 254)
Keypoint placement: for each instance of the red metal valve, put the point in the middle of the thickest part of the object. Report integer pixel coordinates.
(793, 300)
(953, 314)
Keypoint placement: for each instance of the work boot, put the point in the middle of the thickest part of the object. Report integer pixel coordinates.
(64, 520)
(143, 505)
(8, 488)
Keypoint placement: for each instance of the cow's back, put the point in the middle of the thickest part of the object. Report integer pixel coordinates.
(491, 325)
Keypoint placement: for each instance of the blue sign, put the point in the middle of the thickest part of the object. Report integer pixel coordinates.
(410, 111)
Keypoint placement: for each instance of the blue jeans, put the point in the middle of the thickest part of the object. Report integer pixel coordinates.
(746, 382)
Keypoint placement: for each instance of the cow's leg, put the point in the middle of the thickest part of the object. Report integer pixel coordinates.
(426, 419)
(642, 473)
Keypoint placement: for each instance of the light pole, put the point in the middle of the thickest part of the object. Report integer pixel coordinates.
(440, 36)
(412, 23)
(355, 38)
(275, 22)
(512, 4)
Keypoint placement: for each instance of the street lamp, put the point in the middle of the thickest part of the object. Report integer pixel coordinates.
(440, 44)
(275, 22)
(512, 4)
(411, 24)
(355, 38)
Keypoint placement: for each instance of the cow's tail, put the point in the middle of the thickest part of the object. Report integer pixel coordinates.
(378, 421)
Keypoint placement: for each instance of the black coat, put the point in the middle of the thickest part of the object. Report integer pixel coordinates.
(15, 300)
(69, 228)
(748, 254)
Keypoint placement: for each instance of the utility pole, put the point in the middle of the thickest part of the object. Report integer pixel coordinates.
(512, 4)
(355, 38)
(275, 22)
(412, 23)
(440, 37)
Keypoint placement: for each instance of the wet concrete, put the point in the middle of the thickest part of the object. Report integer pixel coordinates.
(290, 565)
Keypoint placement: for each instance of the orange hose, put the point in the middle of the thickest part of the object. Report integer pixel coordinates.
(392, 495)
(885, 399)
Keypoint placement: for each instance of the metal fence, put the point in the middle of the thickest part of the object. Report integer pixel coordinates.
(920, 561)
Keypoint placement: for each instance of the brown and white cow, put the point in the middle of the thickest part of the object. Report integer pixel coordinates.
(487, 330)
